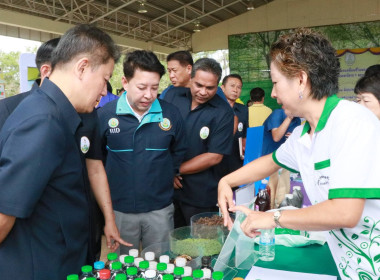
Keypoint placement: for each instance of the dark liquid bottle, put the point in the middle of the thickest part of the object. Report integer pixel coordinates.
(263, 197)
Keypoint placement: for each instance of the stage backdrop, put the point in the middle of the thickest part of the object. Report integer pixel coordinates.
(357, 44)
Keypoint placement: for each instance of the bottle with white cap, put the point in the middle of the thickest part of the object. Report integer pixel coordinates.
(187, 271)
(150, 274)
(153, 265)
(134, 253)
(137, 261)
(164, 259)
(170, 268)
(180, 262)
(121, 259)
(206, 274)
(149, 256)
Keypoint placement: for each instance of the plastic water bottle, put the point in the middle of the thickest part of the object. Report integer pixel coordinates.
(266, 244)
(178, 273)
(297, 197)
(168, 277)
(187, 271)
(153, 265)
(72, 277)
(197, 274)
(164, 259)
(121, 277)
(111, 258)
(288, 201)
(131, 273)
(263, 197)
(105, 274)
(143, 266)
(187, 278)
(134, 253)
(86, 272)
(150, 274)
(206, 263)
(128, 262)
(116, 268)
(161, 267)
(149, 256)
(206, 273)
(170, 268)
(180, 262)
(217, 275)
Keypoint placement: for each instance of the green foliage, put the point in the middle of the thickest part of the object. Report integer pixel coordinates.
(10, 70)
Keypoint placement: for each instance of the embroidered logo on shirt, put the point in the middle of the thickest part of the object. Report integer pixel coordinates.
(240, 127)
(205, 131)
(84, 144)
(165, 124)
(113, 122)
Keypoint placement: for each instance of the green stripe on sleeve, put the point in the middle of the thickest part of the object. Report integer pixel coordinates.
(280, 164)
(322, 164)
(355, 193)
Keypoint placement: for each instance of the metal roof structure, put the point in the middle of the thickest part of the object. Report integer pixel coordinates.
(166, 23)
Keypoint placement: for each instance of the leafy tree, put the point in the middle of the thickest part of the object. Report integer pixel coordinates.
(10, 70)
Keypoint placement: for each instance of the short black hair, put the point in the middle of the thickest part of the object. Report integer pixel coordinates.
(183, 57)
(236, 76)
(369, 84)
(44, 52)
(373, 69)
(208, 65)
(85, 39)
(257, 94)
(143, 60)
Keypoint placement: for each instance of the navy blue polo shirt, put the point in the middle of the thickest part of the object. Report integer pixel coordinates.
(233, 161)
(209, 129)
(274, 120)
(42, 186)
(142, 158)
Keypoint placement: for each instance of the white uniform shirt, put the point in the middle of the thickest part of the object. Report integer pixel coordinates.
(342, 160)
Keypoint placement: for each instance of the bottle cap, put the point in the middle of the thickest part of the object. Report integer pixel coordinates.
(170, 268)
(206, 261)
(178, 271)
(137, 261)
(121, 258)
(217, 275)
(104, 274)
(149, 256)
(138, 278)
(167, 277)
(86, 268)
(150, 273)
(132, 270)
(99, 265)
(198, 273)
(187, 278)
(129, 260)
(144, 264)
(116, 265)
(112, 256)
(180, 262)
(120, 277)
(164, 259)
(72, 277)
(134, 253)
(187, 270)
(153, 265)
(161, 266)
(206, 273)
(90, 278)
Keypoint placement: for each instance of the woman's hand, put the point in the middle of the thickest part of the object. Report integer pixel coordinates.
(254, 221)
(225, 201)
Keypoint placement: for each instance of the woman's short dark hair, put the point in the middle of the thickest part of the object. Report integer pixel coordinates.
(369, 84)
(85, 39)
(143, 60)
(309, 51)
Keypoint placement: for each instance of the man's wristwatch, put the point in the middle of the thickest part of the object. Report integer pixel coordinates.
(276, 218)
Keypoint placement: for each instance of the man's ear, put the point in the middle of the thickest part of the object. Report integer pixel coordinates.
(124, 82)
(81, 66)
(45, 71)
(189, 68)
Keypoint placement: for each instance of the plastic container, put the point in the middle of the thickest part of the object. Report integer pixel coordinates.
(104, 274)
(86, 272)
(267, 244)
(164, 258)
(116, 268)
(111, 258)
(99, 265)
(178, 273)
(182, 242)
(132, 273)
(72, 277)
(149, 256)
(209, 225)
(150, 274)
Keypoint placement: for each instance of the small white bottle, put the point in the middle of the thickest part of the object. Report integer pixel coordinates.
(187, 271)
(206, 274)
(150, 274)
(164, 259)
(149, 256)
(180, 262)
(170, 268)
(134, 253)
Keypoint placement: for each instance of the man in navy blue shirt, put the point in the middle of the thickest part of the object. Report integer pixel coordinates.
(144, 142)
(277, 128)
(43, 206)
(209, 129)
(231, 86)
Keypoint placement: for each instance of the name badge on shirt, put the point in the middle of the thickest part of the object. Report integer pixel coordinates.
(113, 123)
(84, 144)
(165, 124)
(240, 127)
(205, 131)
